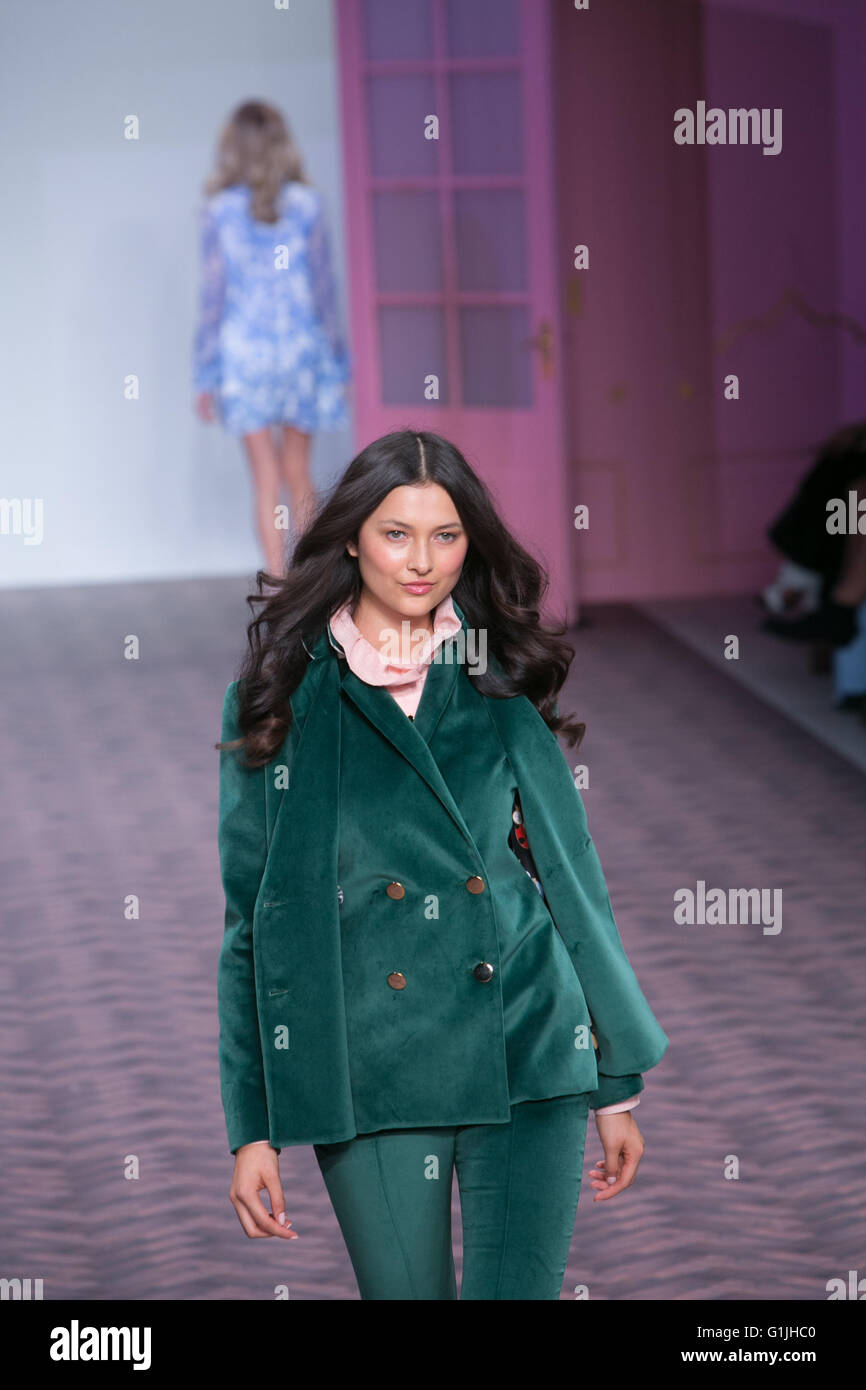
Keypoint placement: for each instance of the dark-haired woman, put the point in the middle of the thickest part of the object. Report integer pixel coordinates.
(421, 973)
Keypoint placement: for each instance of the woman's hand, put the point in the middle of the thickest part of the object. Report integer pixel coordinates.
(257, 1169)
(205, 407)
(623, 1146)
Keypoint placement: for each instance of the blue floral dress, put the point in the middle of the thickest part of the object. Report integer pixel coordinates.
(268, 342)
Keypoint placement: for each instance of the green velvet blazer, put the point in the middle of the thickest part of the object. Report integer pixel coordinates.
(283, 1054)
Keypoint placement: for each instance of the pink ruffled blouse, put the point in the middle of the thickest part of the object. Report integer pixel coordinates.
(403, 678)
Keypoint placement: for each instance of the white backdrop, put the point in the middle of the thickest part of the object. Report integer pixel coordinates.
(99, 272)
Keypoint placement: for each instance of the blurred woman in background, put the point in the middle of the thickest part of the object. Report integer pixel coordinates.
(268, 348)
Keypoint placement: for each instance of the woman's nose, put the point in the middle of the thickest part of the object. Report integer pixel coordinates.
(419, 560)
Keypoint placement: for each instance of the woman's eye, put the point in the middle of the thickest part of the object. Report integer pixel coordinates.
(397, 532)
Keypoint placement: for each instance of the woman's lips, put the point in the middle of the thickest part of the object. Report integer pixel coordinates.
(417, 588)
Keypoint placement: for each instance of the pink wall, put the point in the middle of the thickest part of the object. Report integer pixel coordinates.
(685, 244)
(846, 21)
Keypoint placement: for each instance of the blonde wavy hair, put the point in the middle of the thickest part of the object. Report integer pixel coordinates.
(256, 147)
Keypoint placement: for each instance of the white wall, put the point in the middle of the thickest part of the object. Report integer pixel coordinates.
(99, 272)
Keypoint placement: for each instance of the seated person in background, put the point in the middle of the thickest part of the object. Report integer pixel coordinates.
(838, 560)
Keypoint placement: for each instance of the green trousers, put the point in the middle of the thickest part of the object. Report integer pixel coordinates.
(519, 1183)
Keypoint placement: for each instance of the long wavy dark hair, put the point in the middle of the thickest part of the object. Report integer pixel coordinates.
(500, 590)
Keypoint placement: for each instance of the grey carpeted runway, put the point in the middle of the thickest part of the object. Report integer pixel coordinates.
(108, 1020)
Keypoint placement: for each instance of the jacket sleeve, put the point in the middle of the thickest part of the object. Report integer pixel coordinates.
(613, 1088)
(242, 838)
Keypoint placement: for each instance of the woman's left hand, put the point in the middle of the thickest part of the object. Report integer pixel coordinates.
(623, 1147)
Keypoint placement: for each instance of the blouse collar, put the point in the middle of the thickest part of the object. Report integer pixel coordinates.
(373, 666)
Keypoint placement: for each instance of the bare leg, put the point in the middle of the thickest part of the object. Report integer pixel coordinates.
(851, 585)
(264, 466)
(296, 474)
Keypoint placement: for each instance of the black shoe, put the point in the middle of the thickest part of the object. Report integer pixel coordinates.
(835, 623)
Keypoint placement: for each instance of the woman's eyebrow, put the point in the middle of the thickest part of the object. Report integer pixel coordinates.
(407, 526)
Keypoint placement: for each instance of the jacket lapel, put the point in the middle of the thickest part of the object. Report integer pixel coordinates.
(314, 778)
(410, 737)
(547, 794)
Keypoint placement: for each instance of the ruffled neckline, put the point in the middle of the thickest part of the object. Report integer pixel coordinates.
(371, 665)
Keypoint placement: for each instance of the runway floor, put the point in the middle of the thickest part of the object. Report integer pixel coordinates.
(108, 1026)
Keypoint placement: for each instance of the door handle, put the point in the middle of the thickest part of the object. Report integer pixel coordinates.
(543, 343)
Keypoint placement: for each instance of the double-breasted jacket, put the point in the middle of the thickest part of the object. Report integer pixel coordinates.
(360, 974)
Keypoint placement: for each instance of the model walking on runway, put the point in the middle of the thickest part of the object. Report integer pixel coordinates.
(268, 350)
(420, 974)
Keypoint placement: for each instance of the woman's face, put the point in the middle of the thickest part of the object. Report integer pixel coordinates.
(411, 549)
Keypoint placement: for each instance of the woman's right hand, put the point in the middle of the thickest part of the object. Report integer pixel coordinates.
(205, 407)
(257, 1169)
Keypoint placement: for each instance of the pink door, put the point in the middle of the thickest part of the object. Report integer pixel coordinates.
(452, 282)
(695, 252)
